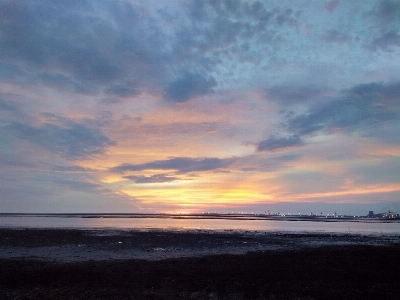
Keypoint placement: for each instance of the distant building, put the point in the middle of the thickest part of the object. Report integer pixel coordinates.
(384, 215)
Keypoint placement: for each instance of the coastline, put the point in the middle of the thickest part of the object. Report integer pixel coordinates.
(128, 264)
(73, 245)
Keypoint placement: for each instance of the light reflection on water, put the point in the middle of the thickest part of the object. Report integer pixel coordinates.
(214, 224)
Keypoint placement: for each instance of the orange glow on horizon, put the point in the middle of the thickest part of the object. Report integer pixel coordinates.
(193, 197)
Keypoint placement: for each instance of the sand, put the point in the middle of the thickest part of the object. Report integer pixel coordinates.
(106, 264)
(82, 245)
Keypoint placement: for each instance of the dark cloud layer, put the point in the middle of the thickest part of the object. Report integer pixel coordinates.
(363, 105)
(70, 46)
(388, 11)
(73, 141)
(279, 143)
(386, 41)
(358, 107)
(158, 178)
(188, 86)
(53, 35)
(387, 15)
(180, 164)
(88, 47)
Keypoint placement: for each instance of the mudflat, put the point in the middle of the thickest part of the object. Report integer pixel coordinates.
(124, 264)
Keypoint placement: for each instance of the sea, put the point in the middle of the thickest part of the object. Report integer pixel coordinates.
(209, 223)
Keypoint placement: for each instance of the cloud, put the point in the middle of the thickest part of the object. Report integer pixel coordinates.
(332, 5)
(89, 47)
(293, 95)
(32, 35)
(208, 75)
(277, 143)
(365, 104)
(176, 128)
(357, 109)
(188, 86)
(14, 161)
(387, 10)
(180, 164)
(218, 26)
(70, 169)
(267, 163)
(72, 141)
(84, 46)
(334, 36)
(286, 17)
(79, 184)
(158, 178)
(14, 107)
(386, 14)
(51, 188)
(386, 41)
(7, 106)
(121, 90)
(376, 92)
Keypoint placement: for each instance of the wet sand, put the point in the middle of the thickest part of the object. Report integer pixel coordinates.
(82, 245)
(105, 264)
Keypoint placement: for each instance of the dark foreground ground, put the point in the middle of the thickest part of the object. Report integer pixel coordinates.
(352, 270)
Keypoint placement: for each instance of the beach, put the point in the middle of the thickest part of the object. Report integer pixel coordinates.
(157, 264)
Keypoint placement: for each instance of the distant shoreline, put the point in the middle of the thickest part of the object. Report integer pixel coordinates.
(274, 217)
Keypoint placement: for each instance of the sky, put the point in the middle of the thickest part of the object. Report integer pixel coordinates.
(199, 106)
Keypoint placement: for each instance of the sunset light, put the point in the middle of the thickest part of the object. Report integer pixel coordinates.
(197, 106)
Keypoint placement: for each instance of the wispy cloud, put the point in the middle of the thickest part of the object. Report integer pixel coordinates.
(180, 164)
(72, 141)
(279, 143)
(158, 178)
(358, 107)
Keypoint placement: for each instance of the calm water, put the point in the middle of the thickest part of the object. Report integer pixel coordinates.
(369, 227)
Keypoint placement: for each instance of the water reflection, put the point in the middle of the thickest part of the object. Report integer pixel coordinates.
(212, 224)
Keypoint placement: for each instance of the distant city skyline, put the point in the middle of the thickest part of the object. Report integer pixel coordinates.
(191, 106)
